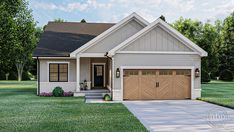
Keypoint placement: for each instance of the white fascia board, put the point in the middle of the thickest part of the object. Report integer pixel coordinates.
(109, 31)
(159, 52)
(151, 26)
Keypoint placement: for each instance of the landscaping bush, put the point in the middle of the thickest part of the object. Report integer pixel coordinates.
(226, 75)
(58, 91)
(205, 77)
(68, 94)
(107, 97)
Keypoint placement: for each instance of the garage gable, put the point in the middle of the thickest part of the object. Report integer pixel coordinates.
(158, 38)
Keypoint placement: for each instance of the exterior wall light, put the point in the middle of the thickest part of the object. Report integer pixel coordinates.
(117, 73)
(197, 72)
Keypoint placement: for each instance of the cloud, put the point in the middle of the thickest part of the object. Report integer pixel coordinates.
(69, 7)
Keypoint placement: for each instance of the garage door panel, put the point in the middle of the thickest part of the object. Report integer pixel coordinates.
(131, 85)
(147, 84)
(165, 89)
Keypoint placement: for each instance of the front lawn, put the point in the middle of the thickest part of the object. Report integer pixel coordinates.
(219, 92)
(22, 110)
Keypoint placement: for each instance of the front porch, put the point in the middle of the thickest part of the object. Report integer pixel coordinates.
(94, 77)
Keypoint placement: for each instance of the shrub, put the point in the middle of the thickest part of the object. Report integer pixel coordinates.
(46, 94)
(226, 75)
(205, 77)
(68, 94)
(58, 91)
(107, 97)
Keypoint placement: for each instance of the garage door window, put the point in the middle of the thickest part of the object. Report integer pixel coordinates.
(148, 72)
(182, 72)
(165, 72)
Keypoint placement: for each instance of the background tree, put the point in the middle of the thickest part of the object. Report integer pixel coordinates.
(59, 20)
(83, 21)
(227, 56)
(163, 18)
(18, 31)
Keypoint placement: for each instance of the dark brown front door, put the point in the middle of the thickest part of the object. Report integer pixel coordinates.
(98, 76)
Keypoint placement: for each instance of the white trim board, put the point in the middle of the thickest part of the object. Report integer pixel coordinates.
(122, 68)
(165, 26)
(106, 33)
(104, 72)
(157, 52)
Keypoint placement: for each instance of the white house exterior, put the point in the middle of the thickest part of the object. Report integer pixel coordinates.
(134, 59)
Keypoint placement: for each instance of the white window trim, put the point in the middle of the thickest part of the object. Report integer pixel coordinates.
(104, 72)
(122, 68)
(58, 62)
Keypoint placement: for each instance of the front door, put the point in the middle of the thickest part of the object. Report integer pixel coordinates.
(98, 75)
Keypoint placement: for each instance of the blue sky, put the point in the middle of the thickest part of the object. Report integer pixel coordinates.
(115, 10)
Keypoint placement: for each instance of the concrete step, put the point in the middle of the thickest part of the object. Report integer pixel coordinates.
(93, 94)
(93, 97)
(95, 91)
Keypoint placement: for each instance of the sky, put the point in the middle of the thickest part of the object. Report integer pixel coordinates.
(112, 11)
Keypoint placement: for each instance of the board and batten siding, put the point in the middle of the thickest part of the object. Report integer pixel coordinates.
(157, 40)
(155, 60)
(115, 38)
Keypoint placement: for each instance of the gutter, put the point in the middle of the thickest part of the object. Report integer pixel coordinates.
(38, 76)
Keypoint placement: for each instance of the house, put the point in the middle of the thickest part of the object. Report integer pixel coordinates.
(133, 59)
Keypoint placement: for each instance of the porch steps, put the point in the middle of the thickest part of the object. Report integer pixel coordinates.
(92, 94)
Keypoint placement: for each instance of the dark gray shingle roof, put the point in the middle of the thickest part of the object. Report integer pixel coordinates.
(61, 38)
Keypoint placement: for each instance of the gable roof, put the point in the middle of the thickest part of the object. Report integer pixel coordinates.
(61, 38)
(165, 26)
(103, 35)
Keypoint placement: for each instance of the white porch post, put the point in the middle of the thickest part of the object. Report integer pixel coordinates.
(77, 74)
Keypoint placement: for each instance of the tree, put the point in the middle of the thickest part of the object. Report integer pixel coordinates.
(17, 33)
(83, 21)
(227, 57)
(8, 33)
(26, 39)
(59, 20)
(163, 18)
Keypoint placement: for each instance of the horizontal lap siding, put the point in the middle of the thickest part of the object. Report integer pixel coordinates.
(155, 60)
(46, 86)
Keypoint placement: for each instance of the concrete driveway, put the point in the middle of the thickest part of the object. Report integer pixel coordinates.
(182, 116)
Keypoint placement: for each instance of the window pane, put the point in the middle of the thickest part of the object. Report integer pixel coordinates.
(53, 67)
(62, 67)
(53, 76)
(63, 77)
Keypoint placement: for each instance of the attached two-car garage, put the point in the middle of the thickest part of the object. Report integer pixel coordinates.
(150, 84)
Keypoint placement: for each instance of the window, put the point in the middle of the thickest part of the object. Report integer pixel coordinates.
(165, 72)
(148, 72)
(58, 72)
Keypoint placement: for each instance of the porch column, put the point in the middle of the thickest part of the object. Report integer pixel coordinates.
(77, 74)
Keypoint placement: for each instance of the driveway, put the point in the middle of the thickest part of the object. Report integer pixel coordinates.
(182, 115)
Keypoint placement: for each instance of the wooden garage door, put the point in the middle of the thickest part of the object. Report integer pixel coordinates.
(157, 84)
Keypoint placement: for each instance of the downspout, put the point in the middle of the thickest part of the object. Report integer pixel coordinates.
(38, 76)
(111, 75)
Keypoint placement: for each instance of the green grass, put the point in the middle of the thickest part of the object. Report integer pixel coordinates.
(219, 92)
(22, 110)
